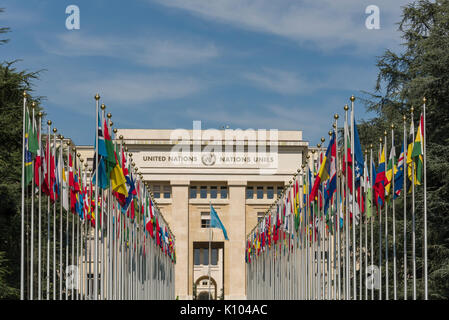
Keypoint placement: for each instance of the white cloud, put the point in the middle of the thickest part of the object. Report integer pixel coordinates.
(148, 51)
(280, 81)
(327, 24)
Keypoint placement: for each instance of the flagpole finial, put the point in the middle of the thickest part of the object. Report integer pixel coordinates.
(39, 114)
(103, 106)
(82, 160)
(61, 137)
(371, 146)
(111, 123)
(130, 154)
(380, 140)
(346, 107)
(318, 145)
(24, 94)
(85, 165)
(74, 149)
(385, 133)
(121, 137)
(329, 133)
(412, 109)
(55, 130)
(366, 151)
(97, 97)
(334, 126)
(49, 122)
(90, 169)
(126, 149)
(115, 130)
(109, 115)
(33, 105)
(68, 143)
(322, 139)
(424, 99)
(352, 98)
(336, 116)
(404, 118)
(392, 126)
(78, 155)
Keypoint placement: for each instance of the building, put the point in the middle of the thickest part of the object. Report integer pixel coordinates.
(239, 172)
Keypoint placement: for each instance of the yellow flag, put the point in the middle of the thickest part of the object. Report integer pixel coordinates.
(118, 180)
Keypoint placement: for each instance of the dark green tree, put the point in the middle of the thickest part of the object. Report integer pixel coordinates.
(420, 70)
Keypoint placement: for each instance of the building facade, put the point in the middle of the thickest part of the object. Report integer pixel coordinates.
(240, 173)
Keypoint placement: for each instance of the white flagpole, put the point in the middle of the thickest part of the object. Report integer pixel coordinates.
(413, 214)
(354, 281)
(379, 211)
(97, 98)
(33, 105)
(48, 209)
(386, 222)
(210, 235)
(39, 268)
(372, 213)
(61, 200)
(425, 200)
(54, 219)
(22, 237)
(393, 213)
(404, 192)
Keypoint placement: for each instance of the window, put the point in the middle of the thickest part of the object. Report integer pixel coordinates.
(192, 192)
(224, 192)
(167, 192)
(214, 257)
(270, 192)
(259, 192)
(157, 191)
(205, 256)
(260, 216)
(249, 192)
(203, 192)
(205, 283)
(279, 190)
(213, 192)
(196, 256)
(205, 220)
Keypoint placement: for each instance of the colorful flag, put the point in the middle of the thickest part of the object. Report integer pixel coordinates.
(417, 153)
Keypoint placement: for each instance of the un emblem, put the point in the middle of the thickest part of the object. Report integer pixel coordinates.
(208, 160)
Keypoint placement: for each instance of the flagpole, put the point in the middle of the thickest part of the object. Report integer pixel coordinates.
(372, 214)
(386, 223)
(67, 215)
(353, 200)
(348, 292)
(22, 247)
(61, 200)
(48, 207)
(425, 200)
(404, 188)
(40, 212)
(33, 106)
(393, 213)
(366, 182)
(379, 213)
(413, 214)
(210, 231)
(97, 98)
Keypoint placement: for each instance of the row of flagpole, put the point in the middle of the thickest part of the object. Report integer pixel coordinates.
(127, 253)
(317, 240)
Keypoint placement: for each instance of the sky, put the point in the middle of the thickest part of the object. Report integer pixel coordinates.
(161, 64)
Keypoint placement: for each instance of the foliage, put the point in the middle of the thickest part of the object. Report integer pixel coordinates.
(421, 70)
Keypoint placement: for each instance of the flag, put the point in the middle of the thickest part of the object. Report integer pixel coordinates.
(399, 175)
(390, 169)
(28, 160)
(118, 181)
(417, 152)
(324, 172)
(410, 162)
(379, 184)
(215, 222)
(331, 185)
(358, 157)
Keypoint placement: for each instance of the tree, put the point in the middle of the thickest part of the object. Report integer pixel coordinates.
(421, 70)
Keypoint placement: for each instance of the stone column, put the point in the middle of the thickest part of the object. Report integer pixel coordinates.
(234, 261)
(180, 218)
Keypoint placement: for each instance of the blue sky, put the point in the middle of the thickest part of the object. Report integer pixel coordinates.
(163, 63)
